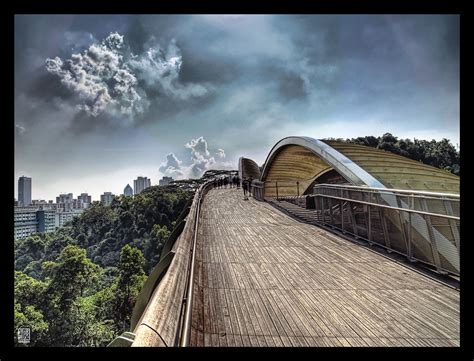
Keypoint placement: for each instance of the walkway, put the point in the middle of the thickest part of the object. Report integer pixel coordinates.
(265, 279)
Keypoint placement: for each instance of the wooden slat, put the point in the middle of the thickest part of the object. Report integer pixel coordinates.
(269, 280)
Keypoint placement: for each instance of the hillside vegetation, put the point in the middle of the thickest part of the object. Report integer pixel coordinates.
(77, 286)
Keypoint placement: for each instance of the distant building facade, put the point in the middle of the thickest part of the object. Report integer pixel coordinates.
(25, 222)
(165, 181)
(65, 202)
(107, 198)
(83, 201)
(128, 191)
(140, 184)
(24, 191)
(62, 217)
(32, 219)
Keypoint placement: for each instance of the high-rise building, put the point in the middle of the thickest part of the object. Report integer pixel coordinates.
(140, 184)
(24, 191)
(33, 219)
(83, 201)
(62, 217)
(128, 191)
(107, 198)
(46, 220)
(65, 202)
(165, 181)
(25, 222)
(37, 202)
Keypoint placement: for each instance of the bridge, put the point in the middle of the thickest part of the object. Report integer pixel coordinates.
(337, 245)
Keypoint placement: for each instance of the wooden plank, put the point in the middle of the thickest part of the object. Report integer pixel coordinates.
(269, 280)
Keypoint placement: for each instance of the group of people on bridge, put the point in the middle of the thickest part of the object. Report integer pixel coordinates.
(234, 182)
(223, 182)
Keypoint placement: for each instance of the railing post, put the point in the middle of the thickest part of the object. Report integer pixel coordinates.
(298, 188)
(410, 231)
(369, 221)
(330, 211)
(323, 213)
(341, 206)
(452, 223)
(434, 246)
(410, 252)
(276, 183)
(402, 221)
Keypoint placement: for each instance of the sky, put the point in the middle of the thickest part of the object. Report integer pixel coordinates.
(102, 99)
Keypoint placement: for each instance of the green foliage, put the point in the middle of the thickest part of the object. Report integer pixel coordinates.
(28, 291)
(78, 286)
(70, 275)
(159, 235)
(130, 281)
(30, 317)
(440, 154)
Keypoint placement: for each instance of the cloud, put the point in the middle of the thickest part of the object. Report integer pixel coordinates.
(220, 153)
(200, 156)
(108, 77)
(20, 129)
(198, 148)
(77, 40)
(161, 68)
(200, 161)
(100, 78)
(172, 167)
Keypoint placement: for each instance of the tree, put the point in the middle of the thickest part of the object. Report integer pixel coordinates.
(69, 276)
(129, 283)
(440, 154)
(81, 303)
(30, 317)
(28, 291)
(28, 301)
(159, 235)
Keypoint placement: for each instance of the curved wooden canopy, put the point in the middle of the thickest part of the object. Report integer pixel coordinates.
(248, 169)
(305, 159)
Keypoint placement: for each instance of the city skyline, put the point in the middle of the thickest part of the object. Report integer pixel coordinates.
(169, 95)
(34, 197)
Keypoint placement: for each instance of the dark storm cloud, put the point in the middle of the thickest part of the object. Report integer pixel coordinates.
(242, 82)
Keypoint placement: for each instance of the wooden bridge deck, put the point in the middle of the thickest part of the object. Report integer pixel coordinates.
(264, 279)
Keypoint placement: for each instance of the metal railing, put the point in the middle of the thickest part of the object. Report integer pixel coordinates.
(256, 190)
(184, 332)
(423, 226)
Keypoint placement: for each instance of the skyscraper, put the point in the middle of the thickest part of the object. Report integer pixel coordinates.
(128, 191)
(140, 184)
(107, 198)
(24, 191)
(84, 200)
(165, 181)
(65, 201)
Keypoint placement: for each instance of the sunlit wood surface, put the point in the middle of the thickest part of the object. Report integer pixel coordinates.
(264, 279)
(396, 171)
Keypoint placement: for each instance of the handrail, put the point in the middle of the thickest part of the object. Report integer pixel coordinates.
(388, 190)
(401, 211)
(185, 335)
(167, 314)
(388, 207)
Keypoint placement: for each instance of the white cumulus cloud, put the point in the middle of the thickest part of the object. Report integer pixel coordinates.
(220, 153)
(106, 77)
(158, 67)
(201, 160)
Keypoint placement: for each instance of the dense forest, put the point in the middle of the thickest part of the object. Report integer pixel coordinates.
(441, 154)
(77, 286)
